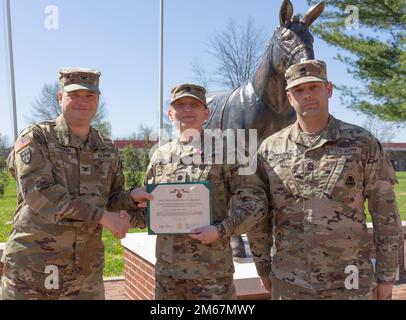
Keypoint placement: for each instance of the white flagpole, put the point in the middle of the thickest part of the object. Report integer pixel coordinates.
(11, 68)
(161, 72)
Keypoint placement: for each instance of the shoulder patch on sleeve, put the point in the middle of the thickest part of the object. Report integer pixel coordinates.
(25, 156)
(22, 143)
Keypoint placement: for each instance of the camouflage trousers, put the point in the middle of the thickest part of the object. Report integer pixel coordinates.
(169, 288)
(74, 288)
(282, 290)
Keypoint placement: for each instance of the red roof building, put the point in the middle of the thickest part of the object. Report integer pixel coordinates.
(397, 153)
(396, 150)
(395, 146)
(121, 144)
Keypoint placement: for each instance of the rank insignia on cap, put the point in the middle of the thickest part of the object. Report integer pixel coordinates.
(349, 181)
(21, 143)
(25, 156)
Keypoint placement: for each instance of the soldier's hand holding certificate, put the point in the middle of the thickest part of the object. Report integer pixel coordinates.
(178, 208)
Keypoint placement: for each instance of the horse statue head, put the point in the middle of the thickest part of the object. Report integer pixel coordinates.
(291, 43)
(261, 103)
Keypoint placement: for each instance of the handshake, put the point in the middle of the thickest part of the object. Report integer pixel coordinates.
(119, 222)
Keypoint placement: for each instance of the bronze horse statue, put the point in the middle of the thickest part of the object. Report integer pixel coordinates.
(261, 103)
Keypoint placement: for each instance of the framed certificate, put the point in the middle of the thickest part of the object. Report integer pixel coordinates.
(178, 208)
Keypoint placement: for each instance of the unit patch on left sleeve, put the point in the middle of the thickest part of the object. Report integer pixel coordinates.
(25, 156)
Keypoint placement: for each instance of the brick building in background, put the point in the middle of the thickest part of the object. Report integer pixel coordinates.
(137, 144)
(397, 152)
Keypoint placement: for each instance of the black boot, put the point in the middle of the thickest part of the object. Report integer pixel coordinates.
(238, 247)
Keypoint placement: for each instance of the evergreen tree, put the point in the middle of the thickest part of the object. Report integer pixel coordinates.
(373, 36)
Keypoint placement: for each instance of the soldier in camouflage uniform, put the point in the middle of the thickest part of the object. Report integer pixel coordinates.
(320, 171)
(70, 185)
(200, 265)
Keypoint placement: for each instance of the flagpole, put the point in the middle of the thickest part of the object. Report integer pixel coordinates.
(11, 68)
(161, 72)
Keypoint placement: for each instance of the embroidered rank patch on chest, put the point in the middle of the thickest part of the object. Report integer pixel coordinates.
(181, 177)
(159, 171)
(349, 181)
(25, 156)
(344, 151)
(85, 169)
(21, 143)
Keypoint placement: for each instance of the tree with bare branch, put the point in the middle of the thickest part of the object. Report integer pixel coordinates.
(384, 131)
(3, 175)
(4, 151)
(237, 51)
(4, 146)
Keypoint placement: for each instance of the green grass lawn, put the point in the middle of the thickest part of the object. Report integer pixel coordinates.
(400, 189)
(7, 206)
(114, 254)
(114, 264)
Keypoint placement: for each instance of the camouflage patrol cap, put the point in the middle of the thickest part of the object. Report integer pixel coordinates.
(71, 79)
(188, 90)
(308, 71)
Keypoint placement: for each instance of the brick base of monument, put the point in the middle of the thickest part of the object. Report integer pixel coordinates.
(140, 265)
(139, 277)
(139, 274)
(139, 280)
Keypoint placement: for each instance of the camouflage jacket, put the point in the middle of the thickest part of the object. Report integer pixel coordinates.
(239, 203)
(64, 187)
(318, 220)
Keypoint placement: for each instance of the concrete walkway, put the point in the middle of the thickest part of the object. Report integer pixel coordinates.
(115, 290)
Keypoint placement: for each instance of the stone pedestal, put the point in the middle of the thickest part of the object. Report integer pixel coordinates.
(2, 245)
(140, 267)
